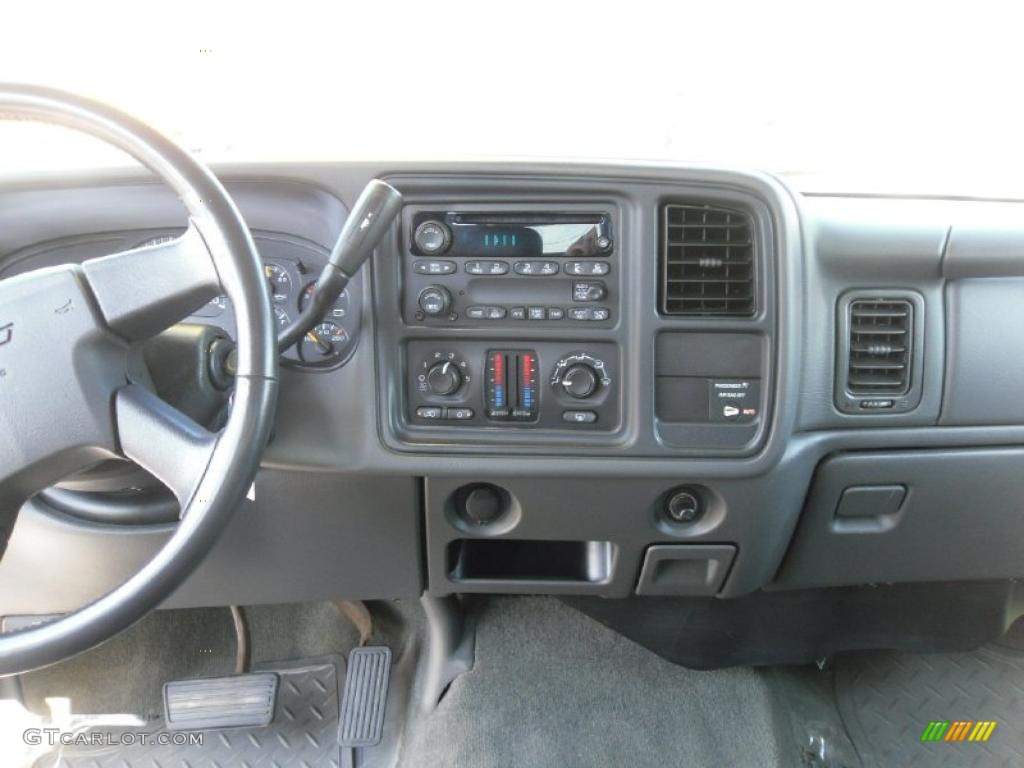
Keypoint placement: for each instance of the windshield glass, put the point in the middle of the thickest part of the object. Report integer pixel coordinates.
(879, 97)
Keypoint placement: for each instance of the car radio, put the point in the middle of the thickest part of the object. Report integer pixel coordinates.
(481, 269)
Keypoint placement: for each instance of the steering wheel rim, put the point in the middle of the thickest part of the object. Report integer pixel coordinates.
(209, 473)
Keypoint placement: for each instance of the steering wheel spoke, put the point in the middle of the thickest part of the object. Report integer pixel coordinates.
(163, 440)
(144, 291)
(57, 372)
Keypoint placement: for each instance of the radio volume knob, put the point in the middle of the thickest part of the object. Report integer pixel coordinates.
(435, 300)
(432, 238)
(444, 378)
(579, 381)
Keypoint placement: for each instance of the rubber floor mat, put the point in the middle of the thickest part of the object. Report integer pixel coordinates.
(888, 701)
(304, 732)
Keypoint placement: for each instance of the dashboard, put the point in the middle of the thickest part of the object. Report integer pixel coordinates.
(598, 380)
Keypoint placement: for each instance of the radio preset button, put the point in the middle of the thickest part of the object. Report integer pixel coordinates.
(486, 267)
(486, 313)
(541, 268)
(434, 267)
(588, 268)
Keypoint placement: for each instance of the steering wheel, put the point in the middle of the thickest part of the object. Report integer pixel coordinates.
(76, 405)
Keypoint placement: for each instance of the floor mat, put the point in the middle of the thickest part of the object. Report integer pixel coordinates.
(304, 732)
(887, 700)
(180, 645)
(552, 687)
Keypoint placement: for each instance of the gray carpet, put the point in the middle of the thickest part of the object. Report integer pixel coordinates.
(552, 687)
(126, 674)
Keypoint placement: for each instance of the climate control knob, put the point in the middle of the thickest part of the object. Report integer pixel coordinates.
(581, 376)
(444, 378)
(580, 381)
(435, 300)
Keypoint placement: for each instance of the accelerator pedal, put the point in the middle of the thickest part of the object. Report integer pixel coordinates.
(239, 701)
(364, 697)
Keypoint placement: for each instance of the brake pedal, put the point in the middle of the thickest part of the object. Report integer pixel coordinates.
(239, 701)
(365, 696)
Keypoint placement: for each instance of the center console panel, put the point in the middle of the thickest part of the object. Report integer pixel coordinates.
(533, 315)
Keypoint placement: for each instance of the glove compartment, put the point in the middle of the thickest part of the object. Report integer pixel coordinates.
(904, 516)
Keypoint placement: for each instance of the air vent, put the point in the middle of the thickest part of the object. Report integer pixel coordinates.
(881, 334)
(708, 261)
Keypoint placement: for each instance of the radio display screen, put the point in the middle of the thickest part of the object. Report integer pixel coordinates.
(534, 240)
(524, 235)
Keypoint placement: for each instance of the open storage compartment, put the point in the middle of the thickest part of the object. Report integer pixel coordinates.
(530, 562)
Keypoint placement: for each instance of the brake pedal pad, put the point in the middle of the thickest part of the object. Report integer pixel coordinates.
(366, 693)
(239, 701)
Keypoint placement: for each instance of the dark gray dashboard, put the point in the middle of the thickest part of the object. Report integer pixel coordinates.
(360, 498)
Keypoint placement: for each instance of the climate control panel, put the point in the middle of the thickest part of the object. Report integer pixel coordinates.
(548, 385)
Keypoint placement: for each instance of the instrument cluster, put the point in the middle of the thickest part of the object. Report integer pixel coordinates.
(291, 267)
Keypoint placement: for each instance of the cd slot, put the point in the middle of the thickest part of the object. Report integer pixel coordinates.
(529, 218)
(535, 235)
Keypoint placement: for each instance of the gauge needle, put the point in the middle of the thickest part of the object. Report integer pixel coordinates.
(324, 346)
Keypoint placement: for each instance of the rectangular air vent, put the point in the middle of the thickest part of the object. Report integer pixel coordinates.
(881, 335)
(708, 261)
